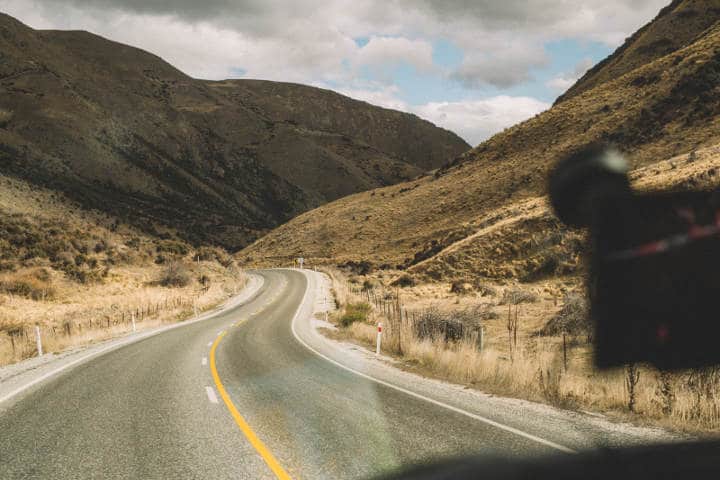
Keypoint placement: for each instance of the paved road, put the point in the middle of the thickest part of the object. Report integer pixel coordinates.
(152, 409)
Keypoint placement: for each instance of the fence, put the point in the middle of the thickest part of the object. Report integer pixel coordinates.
(23, 339)
(429, 323)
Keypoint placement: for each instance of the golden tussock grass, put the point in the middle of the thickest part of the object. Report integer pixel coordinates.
(81, 275)
(79, 315)
(536, 369)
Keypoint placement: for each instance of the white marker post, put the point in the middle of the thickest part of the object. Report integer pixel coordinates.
(39, 341)
(379, 339)
(132, 318)
(301, 260)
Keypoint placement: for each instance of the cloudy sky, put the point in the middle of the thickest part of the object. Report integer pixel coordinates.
(472, 66)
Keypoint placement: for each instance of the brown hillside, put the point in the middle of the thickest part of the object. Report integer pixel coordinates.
(665, 108)
(118, 129)
(675, 27)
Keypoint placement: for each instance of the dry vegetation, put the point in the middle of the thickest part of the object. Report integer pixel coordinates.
(660, 110)
(82, 277)
(474, 252)
(535, 344)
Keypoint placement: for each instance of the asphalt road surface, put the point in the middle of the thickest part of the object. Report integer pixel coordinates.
(235, 396)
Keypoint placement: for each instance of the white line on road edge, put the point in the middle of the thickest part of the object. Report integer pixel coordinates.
(479, 418)
(122, 343)
(211, 395)
(204, 361)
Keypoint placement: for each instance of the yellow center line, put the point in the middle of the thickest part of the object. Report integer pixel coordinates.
(244, 427)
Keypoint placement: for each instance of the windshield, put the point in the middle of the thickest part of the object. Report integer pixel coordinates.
(301, 239)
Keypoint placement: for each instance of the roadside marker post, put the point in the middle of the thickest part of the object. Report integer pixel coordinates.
(39, 341)
(379, 338)
(195, 309)
(132, 318)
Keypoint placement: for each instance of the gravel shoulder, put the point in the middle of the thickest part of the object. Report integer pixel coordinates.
(575, 430)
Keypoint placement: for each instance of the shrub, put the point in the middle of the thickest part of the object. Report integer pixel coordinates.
(5, 117)
(82, 274)
(485, 290)
(362, 267)
(404, 280)
(176, 274)
(172, 247)
(214, 254)
(573, 318)
(35, 284)
(355, 312)
(460, 287)
(515, 296)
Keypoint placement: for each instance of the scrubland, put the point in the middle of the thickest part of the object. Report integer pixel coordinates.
(524, 353)
(82, 277)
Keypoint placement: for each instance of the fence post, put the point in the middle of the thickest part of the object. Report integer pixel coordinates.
(39, 341)
(379, 338)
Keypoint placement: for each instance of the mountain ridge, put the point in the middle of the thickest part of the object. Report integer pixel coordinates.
(118, 129)
(662, 109)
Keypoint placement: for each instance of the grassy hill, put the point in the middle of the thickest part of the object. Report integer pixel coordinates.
(120, 130)
(676, 26)
(663, 107)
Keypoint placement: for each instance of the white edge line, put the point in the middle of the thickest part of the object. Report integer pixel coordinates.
(129, 339)
(211, 395)
(486, 420)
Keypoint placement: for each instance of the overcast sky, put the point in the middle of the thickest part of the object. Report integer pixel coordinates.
(474, 67)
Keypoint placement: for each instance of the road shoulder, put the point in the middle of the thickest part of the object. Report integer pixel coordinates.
(19, 378)
(573, 430)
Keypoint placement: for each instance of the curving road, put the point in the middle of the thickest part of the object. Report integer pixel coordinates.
(234, 396)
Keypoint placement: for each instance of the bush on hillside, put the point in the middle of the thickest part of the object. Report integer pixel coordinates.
(514, 296)
(573, 318)
(176, 274)
(36, 284)
(405, 280)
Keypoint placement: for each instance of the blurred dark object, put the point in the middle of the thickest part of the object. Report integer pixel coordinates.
(654, 277)
(689, 460)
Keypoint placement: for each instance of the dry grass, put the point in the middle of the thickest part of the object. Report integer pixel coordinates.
(81, 276)
(80, 315)
(536, 368)
(499, 185)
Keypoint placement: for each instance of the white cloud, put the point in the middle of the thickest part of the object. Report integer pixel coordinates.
(381, 95)
(502, 67)
(312, 41)
(308, 40)
(478, 120)
(384, 51)
(567, 79)
(474, 120)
